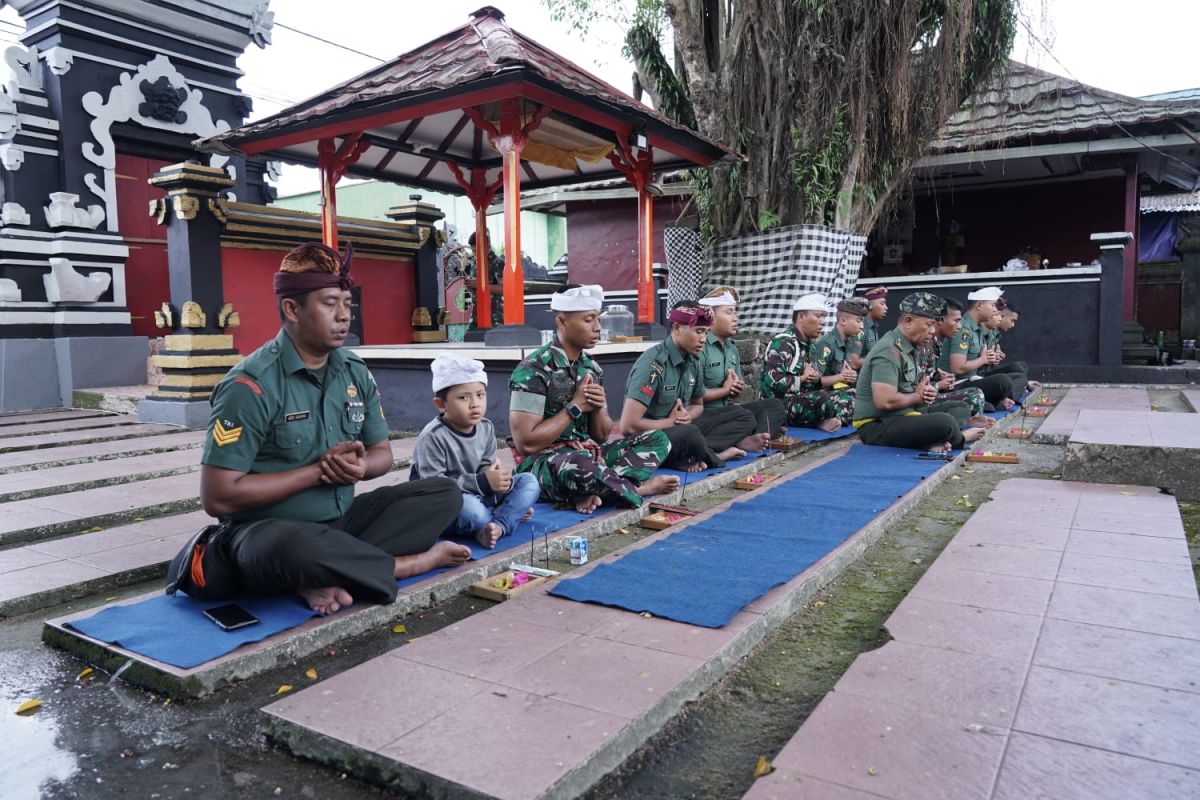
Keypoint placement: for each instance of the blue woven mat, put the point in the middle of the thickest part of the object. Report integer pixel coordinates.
(175, 631)
(706, 572)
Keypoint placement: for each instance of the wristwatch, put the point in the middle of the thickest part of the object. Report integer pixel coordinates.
(574, 411)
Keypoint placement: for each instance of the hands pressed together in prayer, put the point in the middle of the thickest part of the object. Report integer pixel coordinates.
(589, 395)
(679, 414)
(926, 392)
(993, 355)
(945, 381)
(848, 374)
(733, 385)
(810, 374)
(499, 478)
(344, 464)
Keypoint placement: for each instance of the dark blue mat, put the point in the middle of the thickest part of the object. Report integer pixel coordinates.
(707, 572)
(818, 435)
(174, 630)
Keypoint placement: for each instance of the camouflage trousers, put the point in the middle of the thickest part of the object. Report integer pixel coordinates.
(611, 470)
(970, 395)
(809, 409)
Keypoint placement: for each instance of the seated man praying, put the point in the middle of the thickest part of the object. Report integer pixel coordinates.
(840, 352)
(295, 426)
(558, 415)
(665, 392)
(790, 373)
(967, 352)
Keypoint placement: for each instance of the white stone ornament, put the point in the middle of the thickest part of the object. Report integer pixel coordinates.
(14, 214)
(19, 70)
(59, 59)
(11, 156)
(9, 291)
(64, 212)
(65, 285)
(9, 122)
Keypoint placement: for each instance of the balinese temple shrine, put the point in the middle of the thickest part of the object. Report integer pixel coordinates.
(159, 221)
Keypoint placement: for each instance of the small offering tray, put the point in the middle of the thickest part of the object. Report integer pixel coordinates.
(1018, 433)
(1045, 400)
(661, 520)
(625, 339)
(505, 585)
(993, 457)
(786, 444)
(756, 481)
(1038, 411)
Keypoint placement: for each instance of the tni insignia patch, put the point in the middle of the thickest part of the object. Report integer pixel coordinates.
(224, 432)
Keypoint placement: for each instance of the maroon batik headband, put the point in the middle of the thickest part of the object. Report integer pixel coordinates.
(691, 315)
(290, 284)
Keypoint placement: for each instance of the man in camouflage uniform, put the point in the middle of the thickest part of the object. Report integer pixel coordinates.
(790, 373)
(891, 408)
(930, 355)
(840, 352)
(877, 309)
(559, 418)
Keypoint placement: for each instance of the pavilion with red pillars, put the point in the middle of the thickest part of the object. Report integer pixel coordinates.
(479, 111)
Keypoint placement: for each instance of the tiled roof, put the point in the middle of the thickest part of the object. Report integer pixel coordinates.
(1032, 103)
(1184, 202)
(484, 48)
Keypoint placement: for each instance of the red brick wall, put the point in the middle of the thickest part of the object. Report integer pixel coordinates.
(387, 296)
(602, 240)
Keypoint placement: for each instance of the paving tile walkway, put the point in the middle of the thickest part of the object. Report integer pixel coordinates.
(1038, 657)
(1058, 426)
(1137, 429)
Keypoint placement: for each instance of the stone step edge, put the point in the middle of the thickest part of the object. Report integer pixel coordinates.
(297, 643)
(91, 424)
(7, 420)
(97, 440)
(98, 483)
(75, 461)
(610, 755)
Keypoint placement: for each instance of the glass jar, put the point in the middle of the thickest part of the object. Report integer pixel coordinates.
(617, 320)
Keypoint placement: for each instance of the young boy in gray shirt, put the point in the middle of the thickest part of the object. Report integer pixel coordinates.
(460, 443)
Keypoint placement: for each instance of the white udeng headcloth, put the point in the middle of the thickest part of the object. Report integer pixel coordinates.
(581, 298)
(986, 293)
(811, 302)
(451, 370)
(723, 299)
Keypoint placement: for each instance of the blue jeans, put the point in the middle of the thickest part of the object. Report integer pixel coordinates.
(505, 510)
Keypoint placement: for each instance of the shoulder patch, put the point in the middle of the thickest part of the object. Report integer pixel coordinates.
(964, 345)
(254, 387)
(225, 432)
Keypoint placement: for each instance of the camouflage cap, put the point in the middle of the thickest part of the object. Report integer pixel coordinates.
(858, 306)
(923, 304)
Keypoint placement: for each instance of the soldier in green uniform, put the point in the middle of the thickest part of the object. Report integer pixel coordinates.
(930, 356)
(790, 373)
(840, 352)
(963, 355)
(665, 392)
(559, 418)
(724, 380)
(295, 425)
(892, 387)
(1003, 321)
(876, 310)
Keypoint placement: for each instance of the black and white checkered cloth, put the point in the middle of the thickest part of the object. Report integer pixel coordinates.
(685, 264)
(770, 270)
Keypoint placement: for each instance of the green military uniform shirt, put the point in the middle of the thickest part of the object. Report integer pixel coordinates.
(870, 333)
(716, 360)
(832, 351)
(271, 413)
(892, 361)
(662, 375)
(967, 342)
(544, 383)
(783, 364)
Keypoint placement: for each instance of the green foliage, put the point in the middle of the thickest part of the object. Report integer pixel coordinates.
(767, 219)
(817, 168)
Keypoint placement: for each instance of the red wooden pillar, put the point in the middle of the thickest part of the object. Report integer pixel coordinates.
(483, 289)
(329, 232)
(510, 143)
(1132, 216)
(333, 161)
(645, 283)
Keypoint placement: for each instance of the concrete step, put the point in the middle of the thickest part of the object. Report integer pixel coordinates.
(110, 472)
(97, 452)
(1064, 666)
(69, 438)
(26, 417)
(1056, 428)
(121, 399)
(9, 432)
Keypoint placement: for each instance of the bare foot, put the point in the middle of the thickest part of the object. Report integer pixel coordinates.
(442, 554)
(755, 442)
(944, 447)
(488, 535)
(830, 425)
(696, 466)
(981, 422)
(732, 454)
(528, 515)
(973, 434)
(1034, 385)
(588, 504)
(326, 600)
(658, 485)
(1007, 403)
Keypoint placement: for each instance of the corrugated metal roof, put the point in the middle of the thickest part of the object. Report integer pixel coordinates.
(1032, 103)
(1183, 202)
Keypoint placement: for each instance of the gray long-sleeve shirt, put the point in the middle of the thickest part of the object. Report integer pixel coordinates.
(444, 452)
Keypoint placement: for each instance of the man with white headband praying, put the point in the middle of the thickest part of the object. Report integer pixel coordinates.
(724, 381)
(790, 372)
(967, 352)
(665, 392)
(558, 415)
